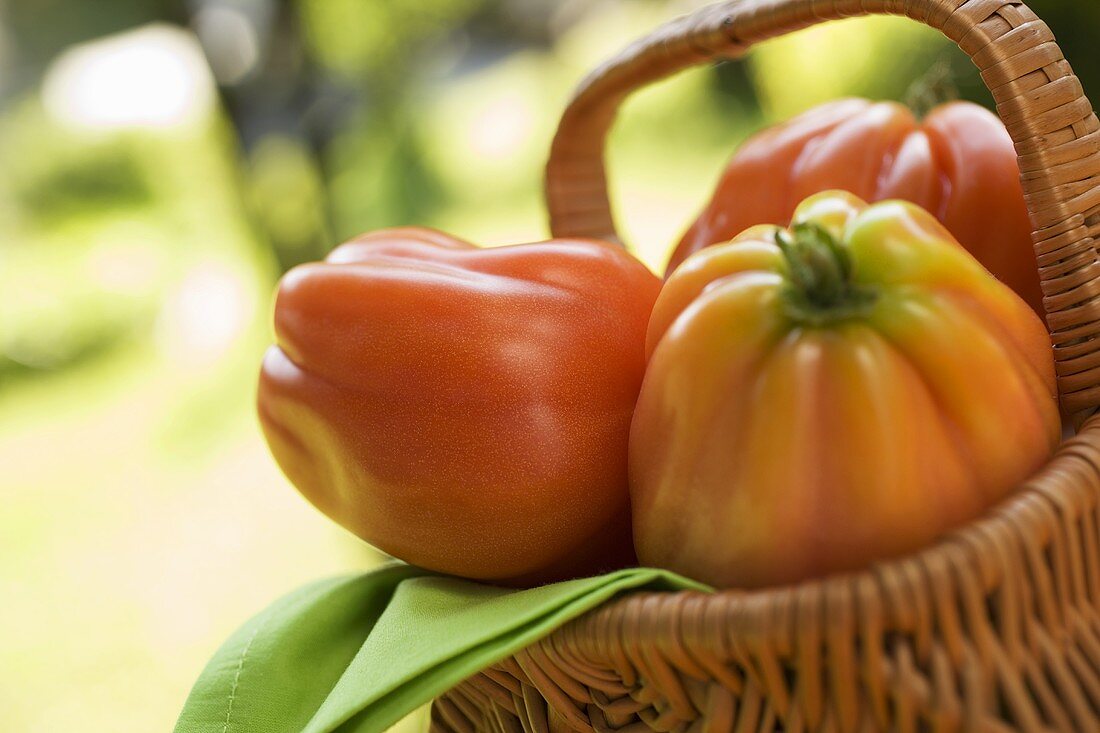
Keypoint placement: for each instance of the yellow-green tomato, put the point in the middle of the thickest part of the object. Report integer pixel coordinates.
(825, 396)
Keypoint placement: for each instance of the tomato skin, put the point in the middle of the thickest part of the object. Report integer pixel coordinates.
(464, 409)
(770, 447)
(958, 163)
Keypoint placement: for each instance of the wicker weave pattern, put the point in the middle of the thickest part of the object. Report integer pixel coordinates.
(994, 629)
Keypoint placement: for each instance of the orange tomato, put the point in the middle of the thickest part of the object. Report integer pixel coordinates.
(959, 164)
(464, 409)
(820, 398)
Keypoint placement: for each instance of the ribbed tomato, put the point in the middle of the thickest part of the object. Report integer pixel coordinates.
(820, 398)
(464, 409)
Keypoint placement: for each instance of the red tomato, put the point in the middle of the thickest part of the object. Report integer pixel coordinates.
(959, 164)
(464, 409)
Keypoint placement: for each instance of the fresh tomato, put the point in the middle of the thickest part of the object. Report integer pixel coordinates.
(464, 409)
(822, 397)
(959, 164)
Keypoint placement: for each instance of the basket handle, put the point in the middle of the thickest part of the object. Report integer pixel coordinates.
(1040, 100)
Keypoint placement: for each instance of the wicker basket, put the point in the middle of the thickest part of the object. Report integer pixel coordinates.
(996, 628)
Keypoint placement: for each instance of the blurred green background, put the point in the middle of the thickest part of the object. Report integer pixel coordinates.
(162, 161)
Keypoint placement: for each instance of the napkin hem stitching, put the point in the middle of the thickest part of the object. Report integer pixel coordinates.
(237, 676)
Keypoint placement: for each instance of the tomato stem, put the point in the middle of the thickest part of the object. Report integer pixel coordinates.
(935, 87)
(820, 274)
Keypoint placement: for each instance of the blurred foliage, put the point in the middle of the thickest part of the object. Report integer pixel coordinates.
(41, 29)
(363, 40)
(287, 195)
(138, 261)
(858, 58)
(89, 181)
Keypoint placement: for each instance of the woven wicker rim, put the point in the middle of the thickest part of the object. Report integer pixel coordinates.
(994, 628)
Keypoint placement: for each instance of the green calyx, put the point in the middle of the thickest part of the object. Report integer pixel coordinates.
(821, 289)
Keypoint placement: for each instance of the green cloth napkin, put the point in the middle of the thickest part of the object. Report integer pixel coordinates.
(357, 654)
